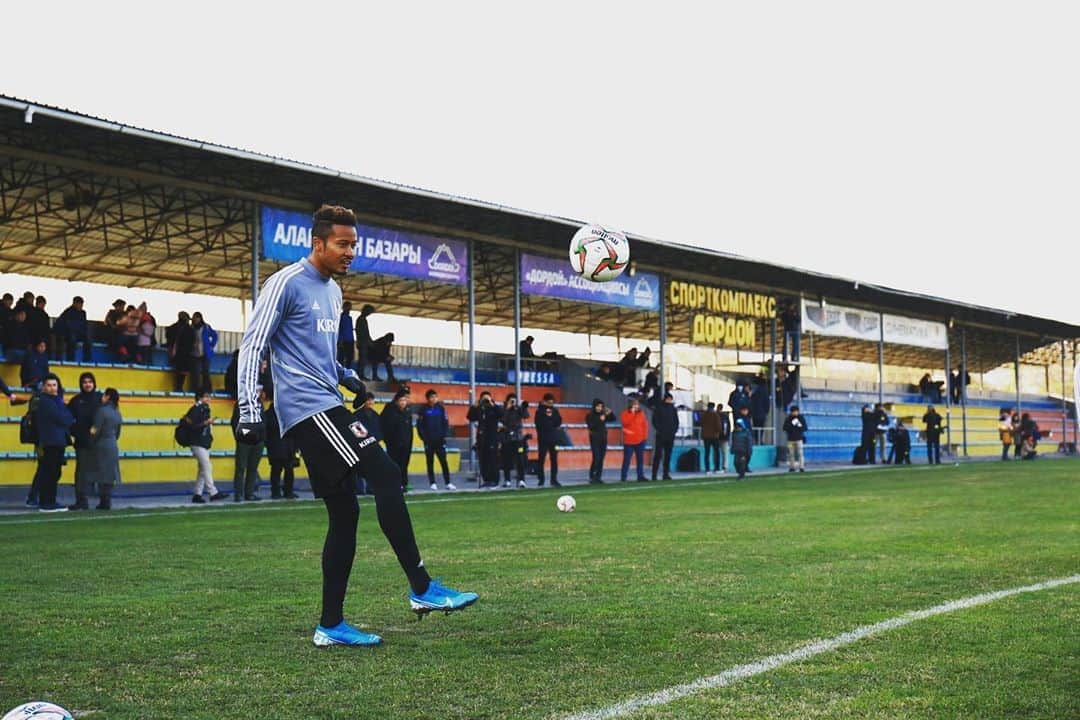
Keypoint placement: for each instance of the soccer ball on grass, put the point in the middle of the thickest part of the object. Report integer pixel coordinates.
(38, 710)
(566, 503)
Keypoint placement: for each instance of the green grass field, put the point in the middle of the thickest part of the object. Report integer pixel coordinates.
(208, 613)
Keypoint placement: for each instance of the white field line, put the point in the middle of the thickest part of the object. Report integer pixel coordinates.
(32, 517)
(740, 672)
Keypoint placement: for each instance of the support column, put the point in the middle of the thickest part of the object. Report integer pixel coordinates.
(948, 396)
(1064, 404)
(663, 331)
(963, 387)
(881, 359)
(256, 251)
(517, 324)
(472, 357)
(1016, 375)
(772, 385)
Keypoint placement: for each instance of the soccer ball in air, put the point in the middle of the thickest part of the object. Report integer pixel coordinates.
(599, 254)
(566, 503)
(38, 710)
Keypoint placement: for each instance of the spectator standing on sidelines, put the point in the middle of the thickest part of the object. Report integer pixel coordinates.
(742, 441)
(180, 339)
(200, 439)
(869, 433)
(901, 447)
(70, 330)
(715, 430)
(398, 433)
(1005, 432)
(1017, 434)
(665, 421)
(739, 398)
(433, 426)
(346, 342)
(364, 339)
(933, 435)
(635, 433)
(596, 420)
(795, 427)
(246, 462)
(53, 422)
(35, 366)
(548, 423)
(104, 434)
(881, 420)
(281, 452)
(487, 417)
(84, 407)
(202, 352)
(512, 445)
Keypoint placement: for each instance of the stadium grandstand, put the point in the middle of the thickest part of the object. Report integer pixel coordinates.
(83, 198)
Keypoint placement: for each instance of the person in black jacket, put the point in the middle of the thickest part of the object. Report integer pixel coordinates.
(901, 444)
(83, 407)
(246, 461)
(881, 418)
(180, 340)
(53, 422)
(487, 416)
(548, 421)
(364, 341)
(281, 452)
(512, 439)
(197, 422)
(37, 322)
(933, 423)
(364, 413)
(397, 430)
(665, 421)
(71, 329)
(597, 420)
(433, 426)
(35, 366)
(869, 433)
(795, 427)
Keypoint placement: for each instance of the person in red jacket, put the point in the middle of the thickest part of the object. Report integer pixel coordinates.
(635, 433)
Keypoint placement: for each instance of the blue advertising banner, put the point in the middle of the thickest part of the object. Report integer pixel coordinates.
(554, 278)
(286, 236)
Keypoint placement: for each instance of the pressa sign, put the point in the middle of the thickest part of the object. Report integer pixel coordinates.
(286, 236)
(554, 278)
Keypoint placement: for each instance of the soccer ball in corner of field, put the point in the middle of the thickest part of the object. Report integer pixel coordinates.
(599, 254)
(38, 710)
(566, 503)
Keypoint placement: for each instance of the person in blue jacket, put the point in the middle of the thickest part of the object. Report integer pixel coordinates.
(432, 425)
(53, 422)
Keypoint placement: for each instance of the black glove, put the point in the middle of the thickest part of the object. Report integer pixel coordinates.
(354, 386)
(251, 433)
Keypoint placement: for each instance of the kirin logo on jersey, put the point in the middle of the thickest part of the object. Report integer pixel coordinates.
(326, 325)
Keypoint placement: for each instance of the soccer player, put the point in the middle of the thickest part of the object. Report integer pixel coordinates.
(297, 315)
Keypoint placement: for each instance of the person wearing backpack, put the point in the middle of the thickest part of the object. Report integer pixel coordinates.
(742, 441)
(200, 439)
(53, 422)
(83, 407)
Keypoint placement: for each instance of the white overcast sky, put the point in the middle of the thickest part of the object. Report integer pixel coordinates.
(929, 146)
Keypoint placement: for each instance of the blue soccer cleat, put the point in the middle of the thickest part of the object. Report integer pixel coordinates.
(440, 597)
(344, 634)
